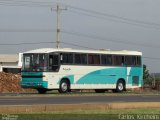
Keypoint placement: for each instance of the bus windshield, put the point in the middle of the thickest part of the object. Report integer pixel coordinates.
(35, 62)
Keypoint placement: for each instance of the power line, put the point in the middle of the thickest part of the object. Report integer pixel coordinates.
(26, 43)
(108, 39)
(27, 30)
(114, 20)
(114, 16)
(135, 22)
(72, 44)
(76, 45)
(26, 3)
(92, 13)
(91, 36)
(152, 58)
(32, 43)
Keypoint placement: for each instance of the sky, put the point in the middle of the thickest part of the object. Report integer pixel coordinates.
(85, 24)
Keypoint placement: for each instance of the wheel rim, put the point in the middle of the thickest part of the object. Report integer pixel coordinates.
(120, 86)
(64, 86)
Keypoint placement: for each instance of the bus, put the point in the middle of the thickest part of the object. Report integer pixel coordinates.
(68, 69)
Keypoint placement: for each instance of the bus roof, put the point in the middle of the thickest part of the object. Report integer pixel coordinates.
(102, 51)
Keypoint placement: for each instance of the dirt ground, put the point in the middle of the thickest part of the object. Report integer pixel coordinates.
(11, 83)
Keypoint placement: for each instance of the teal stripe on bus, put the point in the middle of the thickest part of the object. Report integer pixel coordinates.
(30, 81)
(109, 76)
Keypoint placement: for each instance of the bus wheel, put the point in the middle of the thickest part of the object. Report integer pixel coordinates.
(120, 86)
(64, 86)
(42, 90)
(100, 91)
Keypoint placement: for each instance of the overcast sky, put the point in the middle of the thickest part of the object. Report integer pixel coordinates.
(110, 24)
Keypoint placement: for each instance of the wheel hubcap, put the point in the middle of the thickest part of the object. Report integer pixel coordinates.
(120, 86)
(64, 86)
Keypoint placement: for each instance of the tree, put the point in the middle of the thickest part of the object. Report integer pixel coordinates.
(146, 76)
(145, 72)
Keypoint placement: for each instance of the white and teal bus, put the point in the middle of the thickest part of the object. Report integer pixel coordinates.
(67, 69)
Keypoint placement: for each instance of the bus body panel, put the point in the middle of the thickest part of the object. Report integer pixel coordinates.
(86, 78)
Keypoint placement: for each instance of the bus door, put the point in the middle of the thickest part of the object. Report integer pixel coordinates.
(54, 62)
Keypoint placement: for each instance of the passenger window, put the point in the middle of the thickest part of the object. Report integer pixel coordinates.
(118, 60)
(138, 61)
(94, 59)
(67, 58)
(80, 59)
(130, 60)
(133, 60)
(106, 59)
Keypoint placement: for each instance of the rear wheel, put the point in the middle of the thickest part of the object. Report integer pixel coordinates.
(64, 86)
(42, 90)
(100, 90)
(120, 87)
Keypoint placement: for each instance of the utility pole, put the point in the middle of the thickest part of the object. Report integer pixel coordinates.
(58, 10)
(58, 26)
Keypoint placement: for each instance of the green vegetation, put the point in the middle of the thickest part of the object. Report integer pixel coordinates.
(145, 72)
(89, 114)
(146, 77)
(150, 80)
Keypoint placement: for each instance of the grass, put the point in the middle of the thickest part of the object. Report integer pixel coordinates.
(89, 115)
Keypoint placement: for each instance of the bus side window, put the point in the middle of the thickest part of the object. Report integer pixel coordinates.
(81, 59)
(93, 59)
(53, 63)
(138, 61)
(67, 58)
(130, 60)
(118, 60)
(106, 59)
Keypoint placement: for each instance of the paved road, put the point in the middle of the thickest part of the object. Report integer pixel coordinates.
(30, 100)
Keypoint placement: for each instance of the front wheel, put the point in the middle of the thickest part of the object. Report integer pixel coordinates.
(64, 86)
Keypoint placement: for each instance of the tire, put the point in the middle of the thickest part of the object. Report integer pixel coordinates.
(42, 91)
(100, 90)
(120, 87)
(64, 86)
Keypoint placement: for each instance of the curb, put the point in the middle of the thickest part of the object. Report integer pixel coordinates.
(12, 109)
